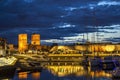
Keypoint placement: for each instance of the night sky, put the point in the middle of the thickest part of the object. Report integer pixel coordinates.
(61, 21)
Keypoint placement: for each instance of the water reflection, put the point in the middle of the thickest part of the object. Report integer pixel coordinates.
(6, 73)
(36, 75)
(65, 72)
(100, 74)
(77, 70)
(22, 75)
(28, 76)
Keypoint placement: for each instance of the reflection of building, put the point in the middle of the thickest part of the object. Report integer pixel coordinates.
(22, 42)
(35, 39)
(36, 75)
(66, 70)
(77, 70)
(25, 75)
(100, 74)
(22, 75)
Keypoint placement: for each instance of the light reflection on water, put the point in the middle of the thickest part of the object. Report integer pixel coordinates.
(64, 72)
(28, 76)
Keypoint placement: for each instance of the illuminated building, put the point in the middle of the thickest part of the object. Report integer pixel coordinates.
(11, 47)
(93, 47)
(2, 43)
(22, 42)
(2, 47)
(35, 39)
(74, 53)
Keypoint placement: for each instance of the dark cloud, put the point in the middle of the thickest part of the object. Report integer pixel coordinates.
(112, 39)
(45, 17)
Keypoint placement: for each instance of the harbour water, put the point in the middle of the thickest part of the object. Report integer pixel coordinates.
(64, 72)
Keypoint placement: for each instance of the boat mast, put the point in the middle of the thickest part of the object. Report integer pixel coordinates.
(96, 34)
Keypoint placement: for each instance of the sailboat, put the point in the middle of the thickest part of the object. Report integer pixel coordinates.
(106, 64)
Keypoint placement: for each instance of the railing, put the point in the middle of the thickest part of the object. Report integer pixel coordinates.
(80, 55)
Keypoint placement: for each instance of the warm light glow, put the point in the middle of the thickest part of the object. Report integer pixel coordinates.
(100, 74)
(65, 70)
(11, 47)
(81, 48)
(35, 39)
(36, 75)
(22, 75)
(22, 40)
(90, 47)
(110, 48)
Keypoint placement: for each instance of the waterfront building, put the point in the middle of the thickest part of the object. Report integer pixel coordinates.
(22, 42)
(35, 39)
(35, 42)
(11, 47)
(76, 52)
(2, 47)
(2, 43)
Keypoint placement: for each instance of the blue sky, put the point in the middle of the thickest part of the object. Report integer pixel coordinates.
(61, 21)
